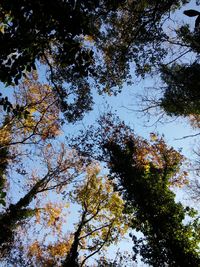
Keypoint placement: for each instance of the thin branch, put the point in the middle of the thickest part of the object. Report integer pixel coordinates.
(181, 55)
(100, 247)
(95, 230)
(187, 136)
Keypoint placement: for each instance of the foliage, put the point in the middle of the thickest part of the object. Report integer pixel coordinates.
(121, 259)
(181, 97)
(4, 155)
(167, 240)
(49, 255)
(61, 169)
(77, 40)
(92, 142)
(4, 162)
(38, 122)
(194, 186)
(82, 46)
(101, 222)
(42, 120)
(21, 137)
(145, 172)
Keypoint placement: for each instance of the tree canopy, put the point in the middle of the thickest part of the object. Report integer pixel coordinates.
(156, 214)
(83, 44)
(66, 200)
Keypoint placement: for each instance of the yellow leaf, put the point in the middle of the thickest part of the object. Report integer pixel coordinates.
(89, 38)
(2, 28)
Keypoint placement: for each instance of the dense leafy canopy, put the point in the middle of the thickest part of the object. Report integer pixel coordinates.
(182, 96)
(155, 213)
(102, 220)
(144, 173)
(81, 43)
(84, 46)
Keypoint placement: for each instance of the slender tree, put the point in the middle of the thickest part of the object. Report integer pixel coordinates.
(167, 240)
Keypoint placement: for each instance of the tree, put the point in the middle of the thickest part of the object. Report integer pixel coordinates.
(3, 168)
(144, 173)
(61, 168)
(42, 118)
(101, 222)
(167, 240)
(177, 93)
(181, 96)
(20, 138)
(193, 187)
(68, 37)
(4, 161)
(123, 258)
(82, 45)
(39, 124)
(35, 125)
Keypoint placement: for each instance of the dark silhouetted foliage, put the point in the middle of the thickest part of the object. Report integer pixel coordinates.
(182, 95)
(82, 44)
(167, 240)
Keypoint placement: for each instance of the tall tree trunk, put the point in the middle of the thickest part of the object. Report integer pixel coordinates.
(15, 213)
(72, 257)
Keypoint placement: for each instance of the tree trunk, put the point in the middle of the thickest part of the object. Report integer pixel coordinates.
(72, 257)
(15, 213)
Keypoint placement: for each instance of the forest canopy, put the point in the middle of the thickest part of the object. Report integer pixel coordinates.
(68, 194)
